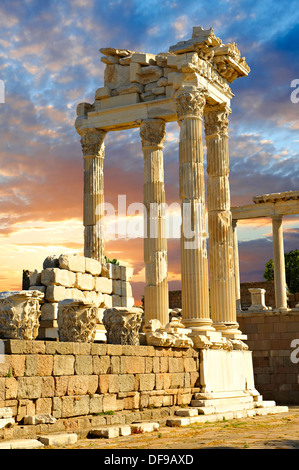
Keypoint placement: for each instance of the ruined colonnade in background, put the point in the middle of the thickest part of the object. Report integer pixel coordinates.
(275, 205)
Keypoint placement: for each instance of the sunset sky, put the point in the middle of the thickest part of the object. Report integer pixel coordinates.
(50, 62)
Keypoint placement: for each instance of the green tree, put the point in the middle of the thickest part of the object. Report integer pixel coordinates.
(292, 270)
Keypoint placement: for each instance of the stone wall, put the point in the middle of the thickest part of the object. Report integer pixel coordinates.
(175, 299)
(246, 297)
(84, 385)
(269, 338)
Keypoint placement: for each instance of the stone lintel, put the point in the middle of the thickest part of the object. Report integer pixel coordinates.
(127, 116)
(266, 209)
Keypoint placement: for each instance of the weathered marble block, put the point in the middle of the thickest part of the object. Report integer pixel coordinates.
(93, 266)
(58, 277)
(77, 320)
(19, 314)
(174, 334)
(123, 325)
(75, 263)
(103, 285)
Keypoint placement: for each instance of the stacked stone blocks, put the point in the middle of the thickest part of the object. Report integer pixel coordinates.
(77, 277)
(270, 338)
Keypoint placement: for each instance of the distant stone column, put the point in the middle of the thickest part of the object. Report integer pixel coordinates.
(279, 264)
(92, 141)
(221, 252)
(152, 133)
(236, 267)
(190, 104)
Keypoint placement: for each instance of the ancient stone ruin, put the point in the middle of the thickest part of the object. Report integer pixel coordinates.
(95, 352)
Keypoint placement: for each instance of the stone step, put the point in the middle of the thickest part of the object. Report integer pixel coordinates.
(237, 414)
(207, 410)
(58, 439)
(271, 410)
(186, 412)
(111, 431)
(221, 401)
(226, 394)
(145, 426)
(106, 432)
(26, 444)
(265, 404)
(116, 430)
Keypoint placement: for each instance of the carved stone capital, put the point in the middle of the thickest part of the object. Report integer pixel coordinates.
(152, 133)
(190, 102)
(123, 325)
(216, 120)
(77, 320)
(92, 142)
(19, 314)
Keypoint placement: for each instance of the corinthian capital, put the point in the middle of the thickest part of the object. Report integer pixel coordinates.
(152, 132)
(189, 102)
(92, 142)
(216, 120)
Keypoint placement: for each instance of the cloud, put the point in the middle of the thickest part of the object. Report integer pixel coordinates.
(180, 26)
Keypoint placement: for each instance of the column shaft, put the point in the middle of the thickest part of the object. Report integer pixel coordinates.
(156, 303)
(221, 252)
(194, 262)
(279, 264)
(92, 142)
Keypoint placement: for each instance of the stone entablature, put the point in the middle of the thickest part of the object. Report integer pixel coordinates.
(277, 197)
(137, 78)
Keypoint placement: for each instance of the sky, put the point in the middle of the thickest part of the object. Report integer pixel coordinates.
(50, 62)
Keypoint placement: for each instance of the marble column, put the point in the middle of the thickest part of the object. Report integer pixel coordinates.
(190, 103)
(92, 141)
(221, 253)
(152, 133)
(236, 267)
(279, 264)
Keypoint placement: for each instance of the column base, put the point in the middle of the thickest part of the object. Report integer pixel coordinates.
(199, 326)
(282, 309)
(230, 331)
(203, 334)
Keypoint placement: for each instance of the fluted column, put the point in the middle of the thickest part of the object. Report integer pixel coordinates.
(190, 104)
(152, 133)
(221, 253)
(279, 264)
(92, 141)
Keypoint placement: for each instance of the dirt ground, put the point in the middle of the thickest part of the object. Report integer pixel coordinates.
(280, 431)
